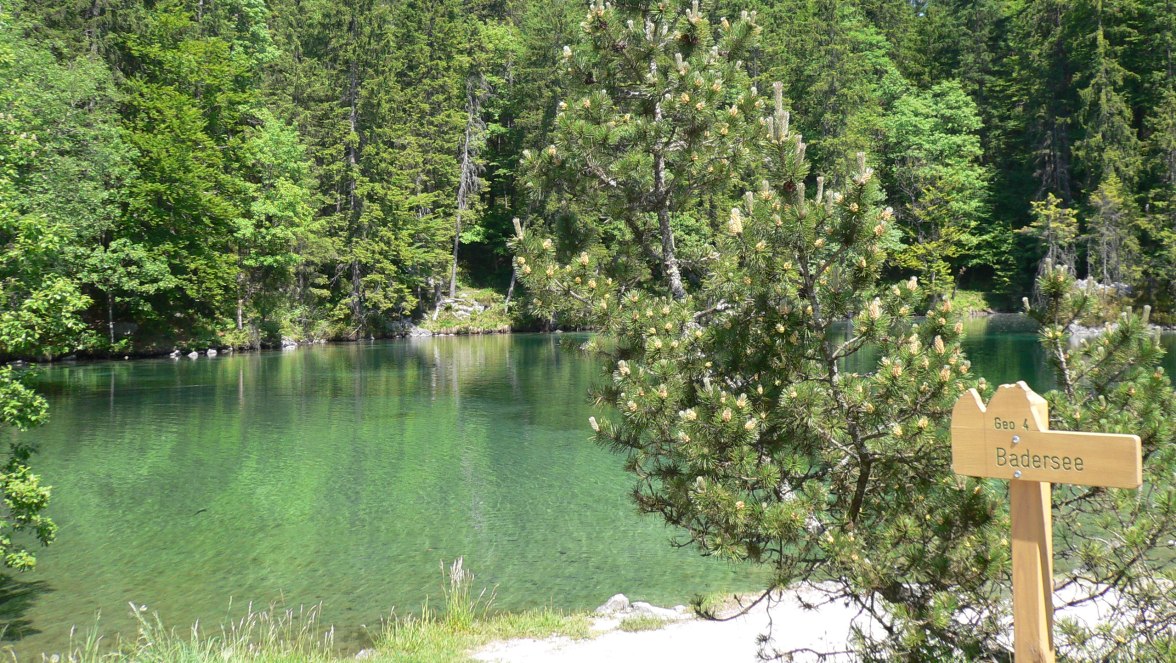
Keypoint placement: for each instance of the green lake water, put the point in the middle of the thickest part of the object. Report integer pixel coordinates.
(346, 475)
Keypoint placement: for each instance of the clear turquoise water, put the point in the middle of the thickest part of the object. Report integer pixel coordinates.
(346, 475)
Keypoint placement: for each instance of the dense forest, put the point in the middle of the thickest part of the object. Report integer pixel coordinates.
(232, 172)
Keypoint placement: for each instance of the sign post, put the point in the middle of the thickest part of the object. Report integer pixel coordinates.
(1010, 439)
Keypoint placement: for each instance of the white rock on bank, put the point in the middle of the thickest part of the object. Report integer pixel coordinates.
(618, 603)
(640, 608)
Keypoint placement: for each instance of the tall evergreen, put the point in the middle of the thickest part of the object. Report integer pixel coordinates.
(652, 137)
(1041, 70)
(1108, 145)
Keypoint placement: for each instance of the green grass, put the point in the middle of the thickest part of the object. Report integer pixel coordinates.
(437, 639)
(711, 605)
(971, 301)
(494, 319)
(273, 635)
(643, 623)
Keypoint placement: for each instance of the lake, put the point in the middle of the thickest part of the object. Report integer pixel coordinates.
(347, 474)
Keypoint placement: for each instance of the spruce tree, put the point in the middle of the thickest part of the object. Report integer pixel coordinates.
(1042, 70)
(1055, 228)
(1159, 223)
(1113, 252)
(1108, 144)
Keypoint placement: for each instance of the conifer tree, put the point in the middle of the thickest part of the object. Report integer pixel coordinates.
(1113, 254)
(1056, 229)
(1159, 224)
(1108, 145)
(769, 433)
(838, 98)
(751, 418)
(658, 120)
(1113, 382)
(1042, 69)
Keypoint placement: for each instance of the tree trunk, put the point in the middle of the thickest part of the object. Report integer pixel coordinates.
(514, 274)
(110, 315)
(468, 173)
(662, 198)
(353, 202)
(240, 296)
(669, 258)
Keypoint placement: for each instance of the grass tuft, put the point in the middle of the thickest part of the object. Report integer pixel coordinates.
(643, 623)
(277, 635)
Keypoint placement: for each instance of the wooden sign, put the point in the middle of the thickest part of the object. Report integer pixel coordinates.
(1010, 439)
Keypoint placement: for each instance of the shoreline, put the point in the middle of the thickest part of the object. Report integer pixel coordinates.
(412, 330)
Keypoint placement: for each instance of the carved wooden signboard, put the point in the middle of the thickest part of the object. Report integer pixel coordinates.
(1010, 439)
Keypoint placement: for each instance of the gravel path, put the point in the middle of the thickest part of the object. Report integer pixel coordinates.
(689, 639)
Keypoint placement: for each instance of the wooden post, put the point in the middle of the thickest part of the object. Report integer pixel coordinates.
(1010, 439)
(1032, 571)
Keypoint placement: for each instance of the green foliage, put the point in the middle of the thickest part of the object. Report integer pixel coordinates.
(1109, 145)
(937, 179)
(316, 166)
(768, 432)
(471, 312)
(273, 634)
(753, 420)
(971, 302)
(1114, 254)
(467, 623)
(650, 141)
(1056, 229)
(642, 623)
(1113, 382)
(41, 301)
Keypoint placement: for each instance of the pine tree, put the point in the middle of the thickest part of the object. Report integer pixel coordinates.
(771, 435)
(753, 421)
(658, 120)
(1113, 382)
